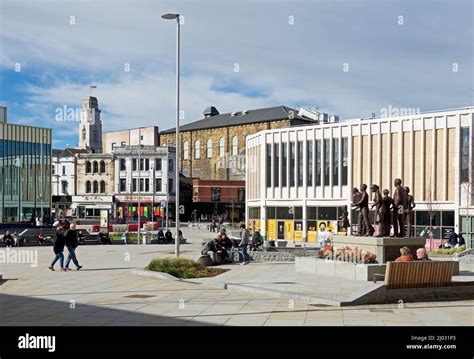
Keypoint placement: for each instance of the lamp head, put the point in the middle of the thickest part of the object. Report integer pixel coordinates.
(170, 16)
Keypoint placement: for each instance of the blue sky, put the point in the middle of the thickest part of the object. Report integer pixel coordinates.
(287, 53)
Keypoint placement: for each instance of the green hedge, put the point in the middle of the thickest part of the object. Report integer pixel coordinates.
(182, 268)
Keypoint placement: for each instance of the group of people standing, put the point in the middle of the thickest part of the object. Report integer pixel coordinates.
(396, 211)
(65, 238)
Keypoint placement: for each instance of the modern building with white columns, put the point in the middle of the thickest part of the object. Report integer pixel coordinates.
(298, 177)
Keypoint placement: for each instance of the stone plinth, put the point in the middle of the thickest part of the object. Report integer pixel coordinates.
(386, 248)
(338, 269)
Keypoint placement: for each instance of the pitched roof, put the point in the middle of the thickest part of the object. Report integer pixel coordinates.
(68, 152)
(241, 118)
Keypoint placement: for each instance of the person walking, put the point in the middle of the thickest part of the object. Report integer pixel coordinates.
(58, 248)
(244, 243)
(71, 244)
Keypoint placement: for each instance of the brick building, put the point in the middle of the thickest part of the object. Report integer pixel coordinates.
(213, 149)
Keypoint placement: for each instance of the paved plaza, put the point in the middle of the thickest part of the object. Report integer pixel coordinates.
(105, 292)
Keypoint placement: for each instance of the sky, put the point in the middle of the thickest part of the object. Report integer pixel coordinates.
(351, 58)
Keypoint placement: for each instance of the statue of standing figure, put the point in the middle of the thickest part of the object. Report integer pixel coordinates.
(362, 203)
(409, 210)
(379, 217)
(386, 211)
(344, 220)
(400, 206)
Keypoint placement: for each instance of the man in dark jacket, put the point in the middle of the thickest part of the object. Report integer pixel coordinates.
(58, 248)
(453, 239)
(71, 244)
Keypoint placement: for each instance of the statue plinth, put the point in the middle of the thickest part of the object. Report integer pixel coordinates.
(386, 248)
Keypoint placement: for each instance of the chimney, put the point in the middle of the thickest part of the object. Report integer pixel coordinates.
(210, 111)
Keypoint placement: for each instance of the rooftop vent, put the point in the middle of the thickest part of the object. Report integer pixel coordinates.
(210, 111)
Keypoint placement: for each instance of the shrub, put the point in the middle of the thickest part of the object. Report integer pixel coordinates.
(182, 268)
(448, 250)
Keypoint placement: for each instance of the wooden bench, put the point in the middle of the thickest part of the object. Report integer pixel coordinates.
(418, 274)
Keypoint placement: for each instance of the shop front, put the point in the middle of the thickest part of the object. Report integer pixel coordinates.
(151, 208)
(89, 207)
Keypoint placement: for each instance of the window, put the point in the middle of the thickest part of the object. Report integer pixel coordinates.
(95, 187)
(318, 163)
(197, 149)
(309, 155)
(221, 147)
(134, 164)
(102, 167)
(171, 188)
(52, 169)
(215, 194)
(147, 185)
(95, 167)
(83, 133)
(158, 185)
(123, 164)
(113, 145)
(209, 148)
(335, 156)
(141, 184)
(64, 170)
(268, 165)
(241, 194)
(327, 152)
(147, 164)
(345, 164)
(134, 185)
(284, 166)
(123, 144)
(88, 186)
(292, 164)
(142, 163)
(170, 165)
(235, 146)
(64, 187)
(300, 163)
(158, 164)
(464, 154)
(88, 167)
(185, 150)
(276, 165)
(102, 186)
(123, 185)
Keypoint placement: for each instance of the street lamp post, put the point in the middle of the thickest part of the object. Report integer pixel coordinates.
(139, 182)
(170, 16)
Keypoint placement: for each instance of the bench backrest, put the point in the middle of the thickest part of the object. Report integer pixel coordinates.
(418, 274)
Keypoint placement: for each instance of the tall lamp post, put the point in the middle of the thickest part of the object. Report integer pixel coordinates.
(139, 182)
(170, 16)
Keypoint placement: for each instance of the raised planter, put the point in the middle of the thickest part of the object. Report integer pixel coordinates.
(338, 269)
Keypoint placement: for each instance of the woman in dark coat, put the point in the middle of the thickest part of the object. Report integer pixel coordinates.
(58, 248)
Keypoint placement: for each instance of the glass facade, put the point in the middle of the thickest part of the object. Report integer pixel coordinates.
(25, 172)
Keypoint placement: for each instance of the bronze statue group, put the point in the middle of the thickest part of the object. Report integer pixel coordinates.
(396, 211)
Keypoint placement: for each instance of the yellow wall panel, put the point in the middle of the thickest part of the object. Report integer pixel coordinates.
(356, 161)
(385, 183)
(375, 162)
(440, 176)
(417, 152)
(428, 164)
(365, 161)
(451, 164)
(406, 160)
(394, 159)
